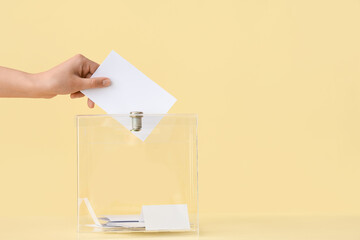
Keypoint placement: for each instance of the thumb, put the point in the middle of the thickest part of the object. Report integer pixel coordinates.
(97, 82)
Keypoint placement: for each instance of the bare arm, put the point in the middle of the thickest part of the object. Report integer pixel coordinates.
(15, 83)
(69, 77)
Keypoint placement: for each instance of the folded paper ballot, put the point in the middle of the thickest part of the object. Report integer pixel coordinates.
(125, 224)
(130, 91)
(126, 221)
(152, 218)
(121, 218)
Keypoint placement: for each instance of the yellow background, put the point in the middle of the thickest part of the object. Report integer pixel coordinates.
(275, 85)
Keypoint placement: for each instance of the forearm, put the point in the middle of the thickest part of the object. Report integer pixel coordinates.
(15, 83)
(69, 77)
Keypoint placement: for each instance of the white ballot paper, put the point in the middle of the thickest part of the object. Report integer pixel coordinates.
(121, 218)
(152, 217)
(127, 221)
(165, 217)
(130, 90)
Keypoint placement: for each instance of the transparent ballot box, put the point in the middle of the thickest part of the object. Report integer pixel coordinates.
(137, 173)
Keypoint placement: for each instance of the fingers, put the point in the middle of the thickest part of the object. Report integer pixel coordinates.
(86, 66)
(91, 66)
(87, 69)
(76, 95)
(90, 103)
(98, 82)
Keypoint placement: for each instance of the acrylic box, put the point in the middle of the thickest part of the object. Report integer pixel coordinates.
(137, 179)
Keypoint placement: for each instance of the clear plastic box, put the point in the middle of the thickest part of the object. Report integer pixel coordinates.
(118, 172)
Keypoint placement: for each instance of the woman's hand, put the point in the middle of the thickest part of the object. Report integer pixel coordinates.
(70, 77)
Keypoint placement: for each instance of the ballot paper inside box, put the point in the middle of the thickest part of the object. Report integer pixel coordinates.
(131, 183)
